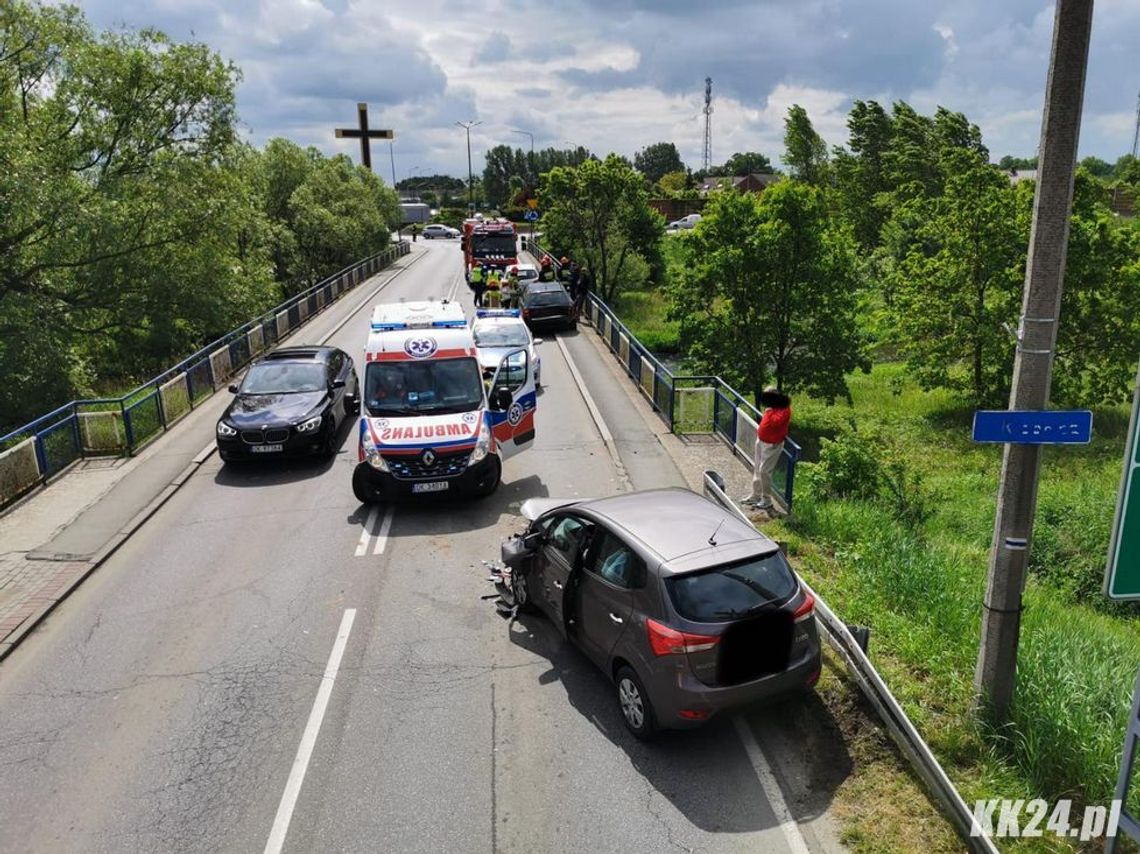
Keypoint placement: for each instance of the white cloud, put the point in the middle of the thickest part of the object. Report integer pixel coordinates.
(622, 74)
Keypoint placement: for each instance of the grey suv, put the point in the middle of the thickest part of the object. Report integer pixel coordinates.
(685, 607)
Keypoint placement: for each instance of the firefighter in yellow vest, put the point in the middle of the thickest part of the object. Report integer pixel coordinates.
(475, 279)
(494, 284)
(510, 290)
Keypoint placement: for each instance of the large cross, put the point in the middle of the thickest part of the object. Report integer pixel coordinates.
(364, 135)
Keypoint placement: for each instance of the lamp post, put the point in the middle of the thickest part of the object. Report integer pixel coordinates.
(470, 175)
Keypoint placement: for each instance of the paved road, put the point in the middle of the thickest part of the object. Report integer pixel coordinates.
(161, 708)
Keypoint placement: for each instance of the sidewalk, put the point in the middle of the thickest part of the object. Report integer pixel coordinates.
(693, 454)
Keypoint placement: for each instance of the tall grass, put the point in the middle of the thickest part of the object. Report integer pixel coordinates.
(920, 589)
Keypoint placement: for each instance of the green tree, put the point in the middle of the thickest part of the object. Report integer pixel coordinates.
(1097, 167)
(957, 282)
(674, 183)
(98, 133)
(1099, 326)
(342, 213)
(747, 162)
(770, 293)
(860, 174)
(805, 152)
(598, 211)
(657, 160)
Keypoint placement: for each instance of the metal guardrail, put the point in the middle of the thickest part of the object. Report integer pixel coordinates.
(871, 684)
(687, 404)
(44, 447)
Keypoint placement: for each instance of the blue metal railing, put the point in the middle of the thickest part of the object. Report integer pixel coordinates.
(129, 421)
(666, 391)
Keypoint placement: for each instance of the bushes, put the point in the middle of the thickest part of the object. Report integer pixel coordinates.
(864, 466)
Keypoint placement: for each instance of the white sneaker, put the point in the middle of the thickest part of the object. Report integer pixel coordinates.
(749, 500)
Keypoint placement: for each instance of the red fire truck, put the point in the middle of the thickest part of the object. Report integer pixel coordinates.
(491, 242)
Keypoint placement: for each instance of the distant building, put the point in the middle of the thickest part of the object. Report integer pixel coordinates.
(1016, 176)
(756, 182)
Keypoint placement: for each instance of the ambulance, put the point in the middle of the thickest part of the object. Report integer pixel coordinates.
(429, 421)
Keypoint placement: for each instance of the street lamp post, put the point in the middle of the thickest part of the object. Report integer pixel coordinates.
(470, 175)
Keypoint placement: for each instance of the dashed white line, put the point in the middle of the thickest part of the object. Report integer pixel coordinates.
(788, 826)
(309, 738)
(366, 534)
(382, 537)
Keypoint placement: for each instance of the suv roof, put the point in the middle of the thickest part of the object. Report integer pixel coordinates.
(677, 526)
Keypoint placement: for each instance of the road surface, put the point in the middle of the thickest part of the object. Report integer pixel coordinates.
(268, 665)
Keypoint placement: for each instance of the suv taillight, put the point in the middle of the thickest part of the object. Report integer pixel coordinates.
(666, 641)
(806, 609)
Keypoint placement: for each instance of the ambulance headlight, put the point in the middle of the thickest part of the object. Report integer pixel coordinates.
(372, 454)
(482, 445)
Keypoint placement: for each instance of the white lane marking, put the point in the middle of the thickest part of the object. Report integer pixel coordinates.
(366, 534)
(382, 537)
(788, 826)
(454, 288)
(309, 738)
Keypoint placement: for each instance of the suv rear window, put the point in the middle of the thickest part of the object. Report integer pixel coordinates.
(733, 590)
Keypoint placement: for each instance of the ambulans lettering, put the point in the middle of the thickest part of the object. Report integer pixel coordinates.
(424, 431)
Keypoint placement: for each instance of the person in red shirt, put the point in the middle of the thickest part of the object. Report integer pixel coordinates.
(770, 436)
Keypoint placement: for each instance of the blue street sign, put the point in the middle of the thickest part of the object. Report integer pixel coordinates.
(1029, 427)
(530, 216)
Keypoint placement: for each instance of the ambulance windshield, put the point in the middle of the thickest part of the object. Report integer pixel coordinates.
(417, 388)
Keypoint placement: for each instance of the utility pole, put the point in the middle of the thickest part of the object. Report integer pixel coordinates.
(470, 175)
(707, 159)
(1033, 363)
(1136, 132)
(531, 172)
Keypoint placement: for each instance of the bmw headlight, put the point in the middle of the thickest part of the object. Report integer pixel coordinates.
(482, 444)
(225, 430)
(309, 425)
(372, 454)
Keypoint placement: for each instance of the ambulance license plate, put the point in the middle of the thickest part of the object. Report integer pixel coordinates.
(267, 449)
(433, 486)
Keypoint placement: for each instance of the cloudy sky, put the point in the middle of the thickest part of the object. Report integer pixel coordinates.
(620, 74)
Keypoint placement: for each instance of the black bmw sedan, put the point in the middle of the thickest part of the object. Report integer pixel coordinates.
(291, 402)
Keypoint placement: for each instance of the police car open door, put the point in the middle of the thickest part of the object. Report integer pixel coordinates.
(512, 400)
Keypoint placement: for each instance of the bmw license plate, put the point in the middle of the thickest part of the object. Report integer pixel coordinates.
(432, 486)
(266, 449)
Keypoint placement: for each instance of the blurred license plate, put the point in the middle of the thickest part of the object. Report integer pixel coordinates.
(434, 486)
(266, 449)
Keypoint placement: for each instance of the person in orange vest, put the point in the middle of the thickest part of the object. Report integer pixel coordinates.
(770, 436)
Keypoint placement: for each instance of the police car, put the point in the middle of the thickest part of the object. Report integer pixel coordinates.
(497, 331)
(428, 422)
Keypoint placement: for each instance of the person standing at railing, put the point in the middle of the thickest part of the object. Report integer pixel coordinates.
(546, 270)
(770, 436)
(581, 291)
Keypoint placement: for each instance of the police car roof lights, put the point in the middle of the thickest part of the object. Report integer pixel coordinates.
(498, 312)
